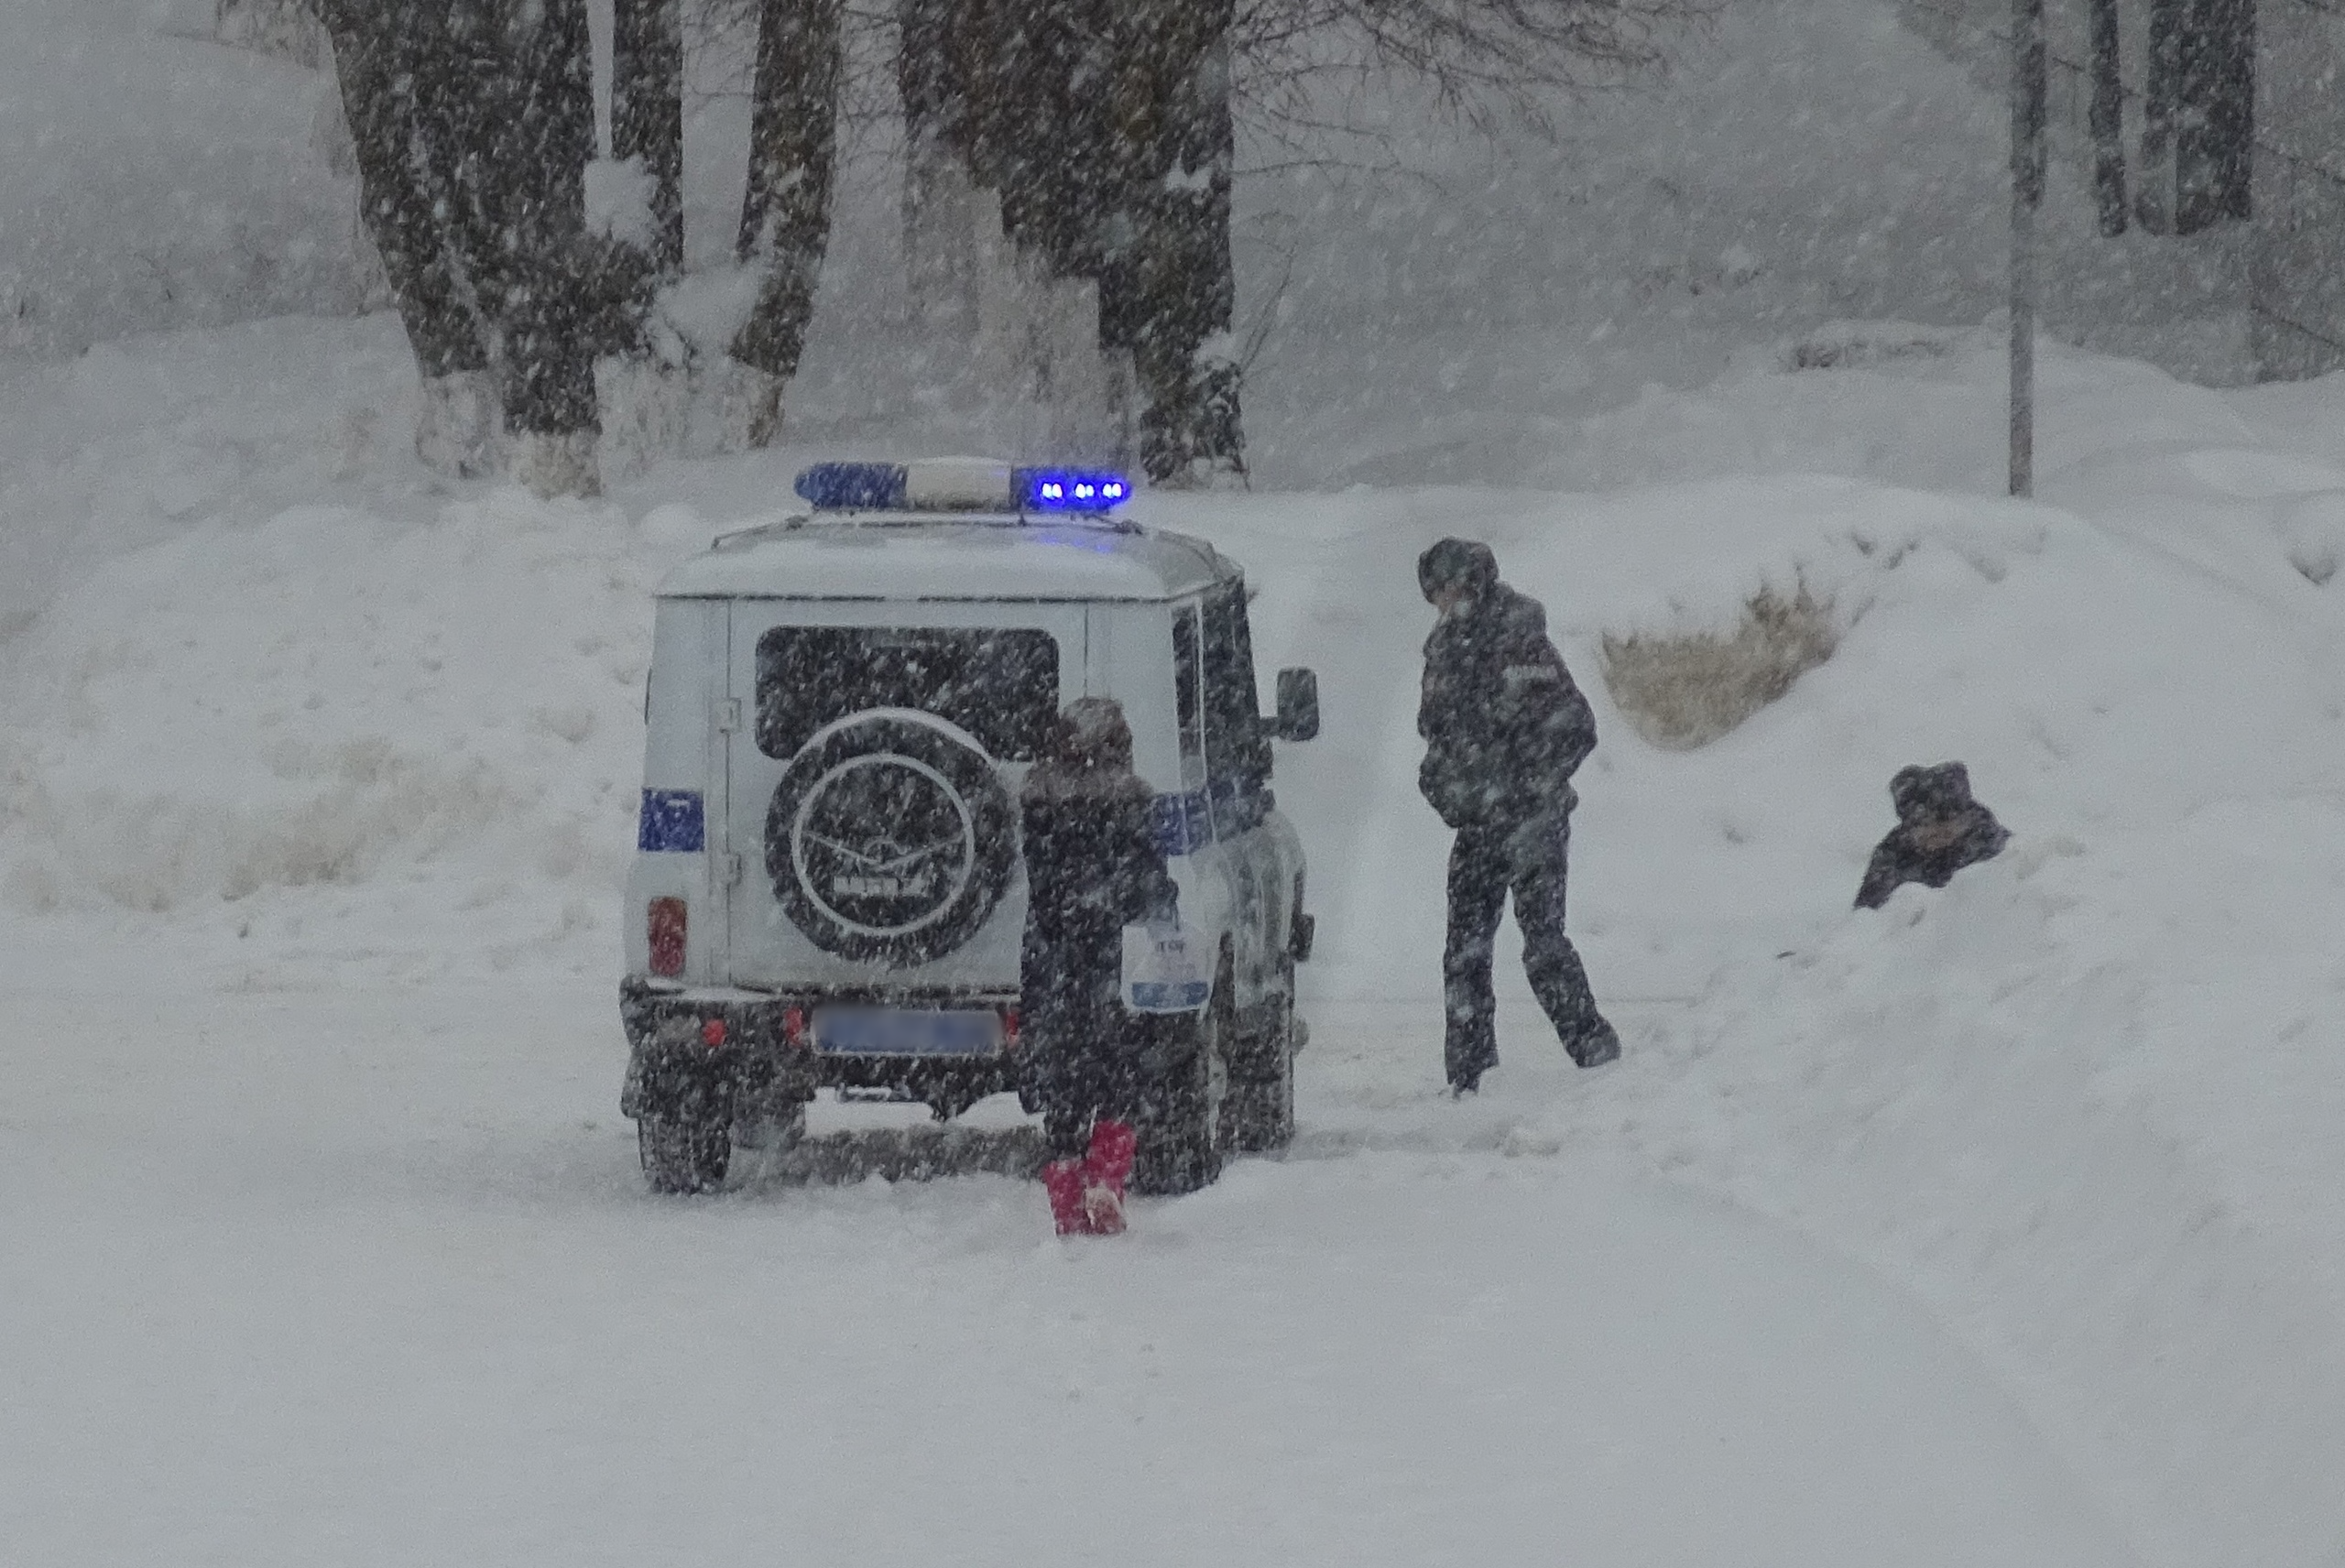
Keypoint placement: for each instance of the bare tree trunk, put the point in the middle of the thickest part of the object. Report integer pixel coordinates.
(2154, 199)
(1169, 294)
(539, 157)
(786, 213)
(1027, 101)
(643, 389)
(2214, 138)
(939, 207)
(401, 78)
(473, 123)
(384, 56)
(647, 113)
(2106, 119)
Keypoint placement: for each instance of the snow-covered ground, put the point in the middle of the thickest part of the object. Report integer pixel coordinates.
(363, 1276)
(1999, 1226)
(325, 1234)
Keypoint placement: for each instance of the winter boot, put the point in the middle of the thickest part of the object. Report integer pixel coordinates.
(1469, 1048)
(1063, 1179)
(1599, 1045)
(1105, 1170)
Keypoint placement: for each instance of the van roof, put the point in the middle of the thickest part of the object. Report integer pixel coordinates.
(947, 556)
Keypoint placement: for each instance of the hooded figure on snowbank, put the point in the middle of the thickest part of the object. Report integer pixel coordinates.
(1505, 727)
(1940, 830)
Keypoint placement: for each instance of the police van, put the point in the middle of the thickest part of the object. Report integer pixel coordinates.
(828, 891)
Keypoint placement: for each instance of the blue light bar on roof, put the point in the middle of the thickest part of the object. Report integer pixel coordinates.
(853, 486)
(1069, 489)
(959, 483)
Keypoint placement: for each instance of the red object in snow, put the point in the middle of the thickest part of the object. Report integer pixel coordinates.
(1063, 1179)
(1105, 1170)
(711, 1033)
(665, 919)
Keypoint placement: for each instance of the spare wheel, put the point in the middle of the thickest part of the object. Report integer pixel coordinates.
(891, 837)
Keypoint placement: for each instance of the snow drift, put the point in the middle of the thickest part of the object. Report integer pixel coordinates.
(2081, 1103)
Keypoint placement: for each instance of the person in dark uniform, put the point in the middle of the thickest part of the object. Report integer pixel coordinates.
(1093, 866)
(1505, 726)
(1940, 830)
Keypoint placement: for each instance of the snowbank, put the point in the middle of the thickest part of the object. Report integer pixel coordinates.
(2083, 1104)
(417, 715)
(159, 179)
(285, 719)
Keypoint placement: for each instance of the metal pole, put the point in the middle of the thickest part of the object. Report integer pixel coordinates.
(2029, 90)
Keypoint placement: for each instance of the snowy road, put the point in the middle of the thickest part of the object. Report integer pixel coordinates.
(366, 1277)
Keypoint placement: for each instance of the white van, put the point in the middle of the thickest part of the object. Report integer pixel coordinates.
(828, 890)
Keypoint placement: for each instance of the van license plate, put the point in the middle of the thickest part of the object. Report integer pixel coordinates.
(892, 1031)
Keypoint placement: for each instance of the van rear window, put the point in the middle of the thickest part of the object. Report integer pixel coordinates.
(1000, 686)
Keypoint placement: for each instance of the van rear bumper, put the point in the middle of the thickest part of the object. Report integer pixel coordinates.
(724, 1052)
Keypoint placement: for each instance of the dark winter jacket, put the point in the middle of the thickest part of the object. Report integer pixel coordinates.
(1505, 725)
(1940, 830)
(1093, 866)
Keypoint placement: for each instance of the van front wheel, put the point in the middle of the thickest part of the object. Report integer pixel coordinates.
(683, 1155)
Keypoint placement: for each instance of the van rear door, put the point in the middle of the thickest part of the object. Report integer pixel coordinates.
(871, 773)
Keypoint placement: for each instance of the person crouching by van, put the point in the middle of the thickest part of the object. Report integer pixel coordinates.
(1093, 866)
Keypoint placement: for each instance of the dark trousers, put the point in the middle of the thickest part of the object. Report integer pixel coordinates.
(1089, 1059)
(1088, 1085)
(1484, 864)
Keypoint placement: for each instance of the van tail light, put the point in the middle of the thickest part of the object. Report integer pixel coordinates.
(793, 1027)
(1010, 1025)
(665, 919)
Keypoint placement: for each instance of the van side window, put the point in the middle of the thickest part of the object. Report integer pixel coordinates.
(1189, 711)
(1235, 743)
(1000, 686)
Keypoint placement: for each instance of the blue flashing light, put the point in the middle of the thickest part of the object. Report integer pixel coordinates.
(853, 486)
(959, 484)
(1069, 489)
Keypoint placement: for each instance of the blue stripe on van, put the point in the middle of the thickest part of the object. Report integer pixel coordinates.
(672, 822)
(1184, 822)
(1188, 821)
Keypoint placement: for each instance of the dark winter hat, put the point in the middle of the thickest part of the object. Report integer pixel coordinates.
(1457, 563)
(1093, 733)
(1089, 755)
(1938, 791)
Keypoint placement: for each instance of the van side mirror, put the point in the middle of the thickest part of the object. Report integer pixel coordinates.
(1298, 717)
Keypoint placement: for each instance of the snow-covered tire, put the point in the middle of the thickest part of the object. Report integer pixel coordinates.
(891, 838)
(682, 1154)
(1180, 1115)
(1258, 1115)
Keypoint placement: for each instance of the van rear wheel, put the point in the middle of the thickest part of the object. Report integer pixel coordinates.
(1258, 1118)
(1180, 1116)
(683, 1155)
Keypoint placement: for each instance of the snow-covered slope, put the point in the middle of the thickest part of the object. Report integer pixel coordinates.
(156, 179)
(2014, 1231)
(2081, 1107)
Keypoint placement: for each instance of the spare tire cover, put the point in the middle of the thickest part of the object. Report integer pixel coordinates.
(891, 837)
